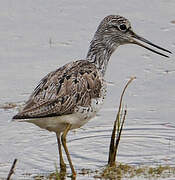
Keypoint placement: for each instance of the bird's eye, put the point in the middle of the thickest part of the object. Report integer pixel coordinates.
(122, 27)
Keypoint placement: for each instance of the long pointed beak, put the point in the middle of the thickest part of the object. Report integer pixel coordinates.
(135, 36)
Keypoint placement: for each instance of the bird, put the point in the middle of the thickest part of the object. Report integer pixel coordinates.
(71, 95)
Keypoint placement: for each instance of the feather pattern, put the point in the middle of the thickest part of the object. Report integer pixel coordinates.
(62, 91)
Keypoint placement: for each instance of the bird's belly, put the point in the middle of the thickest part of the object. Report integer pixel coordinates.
(77, 119)
(59, 123)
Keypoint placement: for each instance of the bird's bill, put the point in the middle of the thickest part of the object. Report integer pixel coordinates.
(135, 36)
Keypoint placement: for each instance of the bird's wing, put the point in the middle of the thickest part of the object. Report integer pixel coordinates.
(61, 91)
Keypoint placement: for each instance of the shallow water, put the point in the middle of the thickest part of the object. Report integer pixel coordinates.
(37, 37)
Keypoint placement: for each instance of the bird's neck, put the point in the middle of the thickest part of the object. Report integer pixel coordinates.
(99, 53)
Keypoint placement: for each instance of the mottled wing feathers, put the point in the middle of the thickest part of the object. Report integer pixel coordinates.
(61, 91)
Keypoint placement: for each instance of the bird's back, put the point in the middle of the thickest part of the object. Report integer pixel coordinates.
(65, 90)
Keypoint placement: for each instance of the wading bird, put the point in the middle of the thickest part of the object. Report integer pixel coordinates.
(70, 96)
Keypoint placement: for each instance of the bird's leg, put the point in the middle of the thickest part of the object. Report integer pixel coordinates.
(63, 139)
(62, 164)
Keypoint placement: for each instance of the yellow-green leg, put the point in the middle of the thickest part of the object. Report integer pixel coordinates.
(63, 139)
(62, 164)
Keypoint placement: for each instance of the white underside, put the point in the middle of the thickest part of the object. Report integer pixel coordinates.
(58, 123)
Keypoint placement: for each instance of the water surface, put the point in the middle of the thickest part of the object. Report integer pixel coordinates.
(39, 36)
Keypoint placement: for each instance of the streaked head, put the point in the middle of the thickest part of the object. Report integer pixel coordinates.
(117, 30)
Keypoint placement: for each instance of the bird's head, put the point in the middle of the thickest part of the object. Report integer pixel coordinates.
(116, 30)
